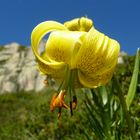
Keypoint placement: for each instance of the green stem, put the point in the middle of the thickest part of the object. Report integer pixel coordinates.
(68, 85)
(66, 80)
(71, 88)
(125, 110)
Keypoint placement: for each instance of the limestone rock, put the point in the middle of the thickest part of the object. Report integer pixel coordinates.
(18, 69)
(121, 59)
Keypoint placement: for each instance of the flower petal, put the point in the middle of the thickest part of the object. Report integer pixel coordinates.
(60, 45)
(91, 81)
(79, 24)
(47, 67)
(96, 57)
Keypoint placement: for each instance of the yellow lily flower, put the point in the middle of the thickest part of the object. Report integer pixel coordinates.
(75, 53)
(78, 45)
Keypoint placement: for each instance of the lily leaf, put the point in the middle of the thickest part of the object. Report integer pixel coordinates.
(133, 83)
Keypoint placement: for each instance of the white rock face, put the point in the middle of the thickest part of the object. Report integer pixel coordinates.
(18, 69)
(121, 58)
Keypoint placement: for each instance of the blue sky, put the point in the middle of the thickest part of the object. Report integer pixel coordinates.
(119, 19)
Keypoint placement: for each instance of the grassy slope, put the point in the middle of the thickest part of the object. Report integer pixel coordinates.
(26, 116)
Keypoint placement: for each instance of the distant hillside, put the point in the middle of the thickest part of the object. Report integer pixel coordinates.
(18, 71)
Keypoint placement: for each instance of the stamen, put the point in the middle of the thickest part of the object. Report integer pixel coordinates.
(59, 113)
(58, 102)
(46, 82)
(74, 102)
(71, 111)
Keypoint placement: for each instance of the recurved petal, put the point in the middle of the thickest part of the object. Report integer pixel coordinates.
(60, 45)
(85, 24)
(55, 69)
(79, 24)
(93, 81)
(42, 29)
(97, 53)
(96, 58)
(73, 25)
(47, 67)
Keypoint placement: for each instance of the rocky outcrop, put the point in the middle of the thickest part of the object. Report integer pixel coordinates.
(121, 57)
(18, 69)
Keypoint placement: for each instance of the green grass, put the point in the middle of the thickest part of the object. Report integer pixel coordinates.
(26, 116)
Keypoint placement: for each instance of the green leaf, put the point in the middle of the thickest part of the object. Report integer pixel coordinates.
(95, 124)
(133, 83)
(103, 94)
